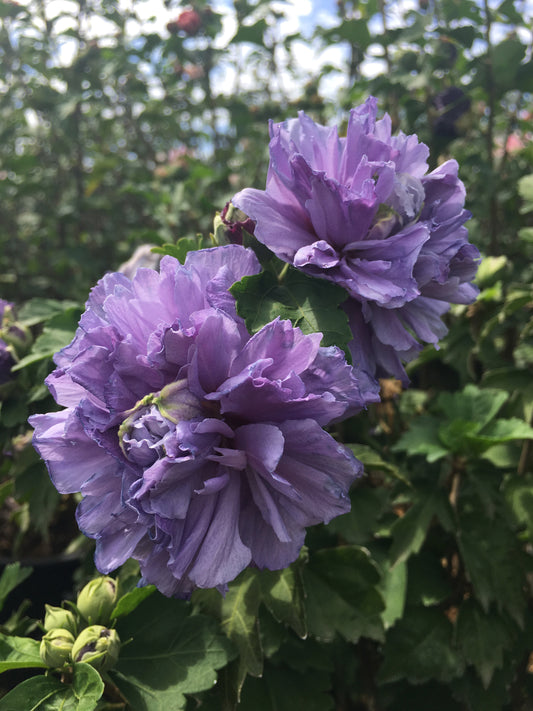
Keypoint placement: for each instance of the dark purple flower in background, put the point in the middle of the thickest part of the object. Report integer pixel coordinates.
(451, 104)
(363, 212)
(6, 357)
(198, 449)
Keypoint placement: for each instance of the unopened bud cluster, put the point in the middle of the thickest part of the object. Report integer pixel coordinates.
(81, 634)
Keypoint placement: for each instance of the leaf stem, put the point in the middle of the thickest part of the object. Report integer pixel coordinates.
(283, 272)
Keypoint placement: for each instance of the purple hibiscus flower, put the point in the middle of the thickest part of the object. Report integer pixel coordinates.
(364, 212)
(198, 449)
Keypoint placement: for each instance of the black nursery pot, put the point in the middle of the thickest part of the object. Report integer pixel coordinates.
(51, 582)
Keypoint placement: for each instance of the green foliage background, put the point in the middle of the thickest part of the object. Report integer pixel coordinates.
(421, 597)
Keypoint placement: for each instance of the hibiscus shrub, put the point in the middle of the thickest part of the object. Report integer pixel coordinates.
(300, 447)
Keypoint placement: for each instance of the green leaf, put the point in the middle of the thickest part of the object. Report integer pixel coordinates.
(525, 190)
(183, 246)
(238, 616)
(490, 270)
(311, 304)
(342, 594)
(171, 653)
(428, 584)
(492, 560)
(500, 431)
(251, 33)
(360, 524)
(506, 58)
(409, 531)
(38, 310)
(393, 588)
(34, 486)
(87, 686)
(283, 593)
(131, 600)
(372, 461)
(12, 575)
(482, 638)
(472, 404)
(19, 653)
(284, 689)
(469, 689)
(57, 333)
(46, 693)
(458, 434)
(422, 438)
(518, 492)
(41, 693)
(420, 647)
(355, 31)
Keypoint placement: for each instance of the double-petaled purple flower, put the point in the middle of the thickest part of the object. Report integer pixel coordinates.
(364, 212)
(198, 449)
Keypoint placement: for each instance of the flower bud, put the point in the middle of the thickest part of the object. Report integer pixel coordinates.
(97, 600)
(230, 225)
(97, 646)
(57, 617)
(56, 646)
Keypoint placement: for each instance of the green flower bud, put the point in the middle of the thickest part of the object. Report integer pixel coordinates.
(97, 600)
(57, 617)
(55, 648)
(97, 646)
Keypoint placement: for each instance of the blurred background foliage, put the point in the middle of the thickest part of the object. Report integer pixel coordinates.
(110, 139)
(422, 596)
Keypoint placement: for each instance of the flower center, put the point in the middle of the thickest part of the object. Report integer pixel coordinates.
(154, 425)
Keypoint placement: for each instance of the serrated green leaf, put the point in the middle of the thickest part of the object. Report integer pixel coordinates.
(472, 404)
(311, 304)
(419, 648)
(423, 438)
(12, 575)
(342, 594)
(482, 639)
(19, 653)
(238, 614)
(283, 593)
(492, 561)
(238, 617)
(171, 653)
(393, 589)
